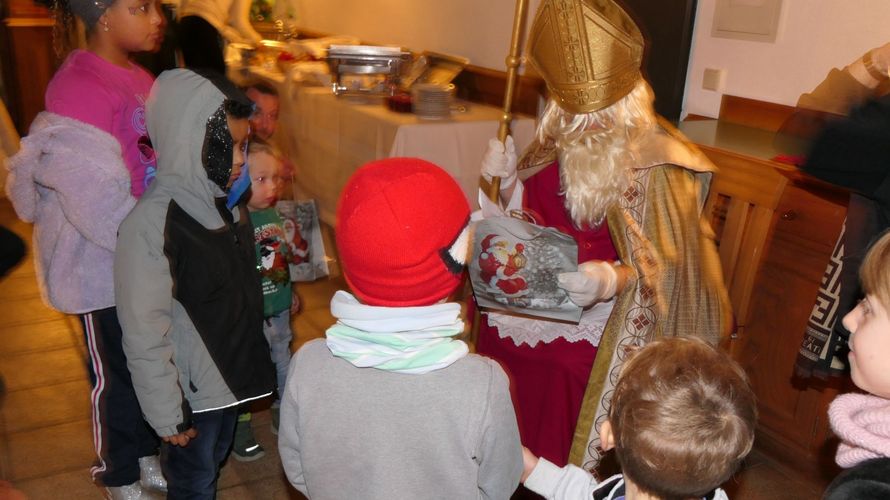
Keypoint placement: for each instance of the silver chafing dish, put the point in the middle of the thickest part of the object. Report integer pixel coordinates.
(366, 69)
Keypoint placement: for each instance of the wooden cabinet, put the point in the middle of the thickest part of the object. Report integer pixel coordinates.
(29, 61)
(793, 413)
(784, 256)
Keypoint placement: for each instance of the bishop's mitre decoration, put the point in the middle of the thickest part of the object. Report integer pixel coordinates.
(588, 51)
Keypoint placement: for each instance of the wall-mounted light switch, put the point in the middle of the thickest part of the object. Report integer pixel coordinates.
(713, 79)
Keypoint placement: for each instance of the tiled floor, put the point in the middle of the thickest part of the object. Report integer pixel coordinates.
(46, 447)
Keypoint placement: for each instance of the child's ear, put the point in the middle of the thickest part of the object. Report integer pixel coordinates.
(607, 438)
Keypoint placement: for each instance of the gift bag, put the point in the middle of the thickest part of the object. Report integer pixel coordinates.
(308, 259)
(514, 267)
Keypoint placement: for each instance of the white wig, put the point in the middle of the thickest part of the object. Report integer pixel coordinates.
(596, 151)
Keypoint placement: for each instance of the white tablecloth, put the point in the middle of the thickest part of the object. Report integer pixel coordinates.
(333, 136)
(329, 137)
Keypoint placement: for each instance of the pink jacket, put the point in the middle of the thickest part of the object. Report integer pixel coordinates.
(69, 179)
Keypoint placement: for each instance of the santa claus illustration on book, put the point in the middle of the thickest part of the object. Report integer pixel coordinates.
(500, 263)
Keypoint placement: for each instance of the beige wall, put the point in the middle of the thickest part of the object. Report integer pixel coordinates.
(814, 36)
(477, 29)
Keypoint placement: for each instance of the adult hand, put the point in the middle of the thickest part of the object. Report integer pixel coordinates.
(500, 161)
(876, 71)
(595, 281)
(181, 439)
(880, 57)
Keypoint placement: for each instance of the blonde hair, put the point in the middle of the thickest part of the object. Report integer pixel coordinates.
(875, 270)
(683, 416)
(257, 145)
(595, 150)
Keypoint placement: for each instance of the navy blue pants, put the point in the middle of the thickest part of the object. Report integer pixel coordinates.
(120, 434)
(192, 470)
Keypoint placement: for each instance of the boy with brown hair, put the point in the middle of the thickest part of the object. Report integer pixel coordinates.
(682, 419)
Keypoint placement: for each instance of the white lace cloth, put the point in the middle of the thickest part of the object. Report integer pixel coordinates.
(525, 330)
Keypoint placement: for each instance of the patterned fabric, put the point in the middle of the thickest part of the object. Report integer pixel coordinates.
(818, 355)
(658, 231)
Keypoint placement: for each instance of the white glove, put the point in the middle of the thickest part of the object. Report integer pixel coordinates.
(500, 161)
(595, 281)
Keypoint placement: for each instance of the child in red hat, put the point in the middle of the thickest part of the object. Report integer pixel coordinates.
(390, 404)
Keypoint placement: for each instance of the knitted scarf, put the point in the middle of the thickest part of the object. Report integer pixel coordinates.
(413, 340)
(862, 421)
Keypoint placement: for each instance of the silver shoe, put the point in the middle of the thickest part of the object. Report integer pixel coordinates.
(130, 492)
(151, 477)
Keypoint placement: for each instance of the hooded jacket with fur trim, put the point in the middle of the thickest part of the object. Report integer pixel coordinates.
(187, 289)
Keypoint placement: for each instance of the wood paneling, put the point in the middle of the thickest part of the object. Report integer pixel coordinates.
(26, 9)
(33, 63)
(793, 413)
(487, 86)
(801, 232)
(28, 59)
(793, 425)
(753, 113)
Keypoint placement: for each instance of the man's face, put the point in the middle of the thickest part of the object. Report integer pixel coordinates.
(265, 117)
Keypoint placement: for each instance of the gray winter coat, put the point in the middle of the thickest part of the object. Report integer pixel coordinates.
(186, 285)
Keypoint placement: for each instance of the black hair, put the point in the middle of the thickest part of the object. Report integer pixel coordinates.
(238, 109)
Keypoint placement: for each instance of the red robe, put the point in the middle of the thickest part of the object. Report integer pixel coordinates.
(549, 380)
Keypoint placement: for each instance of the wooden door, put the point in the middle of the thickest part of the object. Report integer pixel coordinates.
(667, 26)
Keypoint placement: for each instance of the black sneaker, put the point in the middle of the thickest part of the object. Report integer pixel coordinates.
(245, 448)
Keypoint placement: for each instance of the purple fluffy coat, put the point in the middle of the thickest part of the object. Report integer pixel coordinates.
(69, 179)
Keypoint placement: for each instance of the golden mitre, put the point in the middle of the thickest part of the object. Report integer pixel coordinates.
(588, 51)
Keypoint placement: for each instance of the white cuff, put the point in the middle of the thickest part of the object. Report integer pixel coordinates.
(544, 478)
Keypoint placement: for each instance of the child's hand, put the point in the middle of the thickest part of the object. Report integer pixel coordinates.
(295, 304)
(181, 439)
(529, 461)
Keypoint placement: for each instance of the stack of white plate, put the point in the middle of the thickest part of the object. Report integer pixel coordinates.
(431, 100)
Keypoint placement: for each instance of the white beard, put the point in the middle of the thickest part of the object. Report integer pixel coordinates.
(594, 174)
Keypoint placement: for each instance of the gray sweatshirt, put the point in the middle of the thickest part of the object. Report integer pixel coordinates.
(364, 433)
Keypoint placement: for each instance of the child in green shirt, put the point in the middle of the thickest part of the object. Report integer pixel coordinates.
(279, 295)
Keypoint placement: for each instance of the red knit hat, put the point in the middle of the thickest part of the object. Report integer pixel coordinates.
(402, 233)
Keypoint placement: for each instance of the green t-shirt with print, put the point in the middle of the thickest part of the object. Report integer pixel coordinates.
(273, 256)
